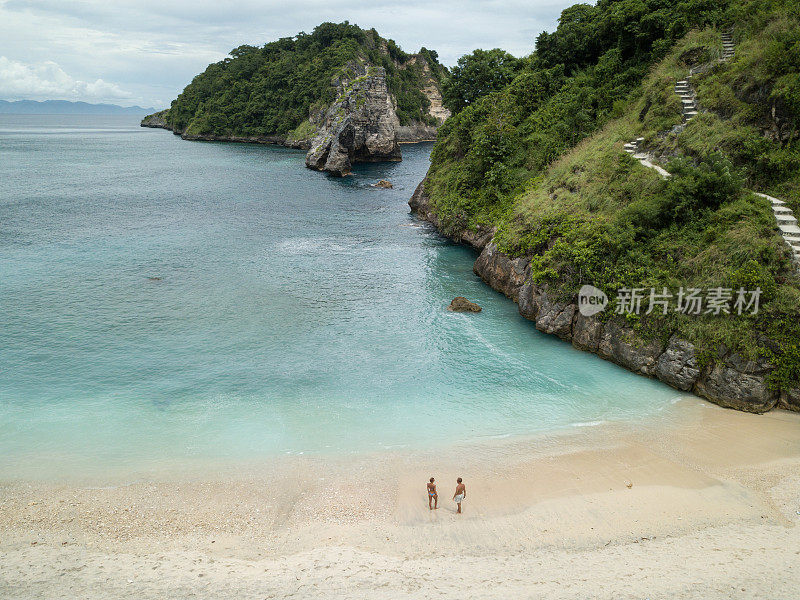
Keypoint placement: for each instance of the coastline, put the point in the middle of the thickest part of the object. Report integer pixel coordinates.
(729, 379)
(697, 485)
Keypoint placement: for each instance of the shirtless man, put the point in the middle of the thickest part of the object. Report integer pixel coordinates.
(461, 494)
(432, 495)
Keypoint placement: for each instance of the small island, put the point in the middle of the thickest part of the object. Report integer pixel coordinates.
(342, 93)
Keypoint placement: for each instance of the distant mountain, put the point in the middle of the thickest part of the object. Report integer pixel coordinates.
(64, 107)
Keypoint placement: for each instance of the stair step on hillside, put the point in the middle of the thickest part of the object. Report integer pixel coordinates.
(789, 229)
(639, 140)
(786, 219)
(772, 199)
(791, 238)
(779, 209)
(690, 113)
(682, 82)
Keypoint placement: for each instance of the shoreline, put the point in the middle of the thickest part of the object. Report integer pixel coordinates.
(705, 483)
(730, 380)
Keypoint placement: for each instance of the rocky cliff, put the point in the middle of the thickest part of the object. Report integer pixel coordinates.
(360, 125)
(156, 120)
(726, 379)
(344, 93)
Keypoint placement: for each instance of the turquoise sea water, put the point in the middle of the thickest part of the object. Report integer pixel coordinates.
(294, 313)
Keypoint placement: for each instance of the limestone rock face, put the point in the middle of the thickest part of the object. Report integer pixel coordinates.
(555, 318)
(461, 304)
(420, 204)
(790, 399)
(737, 383)
(360, 125)
(678, 366)
(528, 300)
(587, 333)
(621, 346)
(731, 381)
(501, 272)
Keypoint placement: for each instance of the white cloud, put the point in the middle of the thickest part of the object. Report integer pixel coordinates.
(153, 48)
(46, 80)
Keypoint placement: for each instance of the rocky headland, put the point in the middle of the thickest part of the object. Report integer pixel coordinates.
(360, 125)
(358, 110)
(727, 379)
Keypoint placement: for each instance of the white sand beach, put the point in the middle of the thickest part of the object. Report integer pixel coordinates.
(698, 503)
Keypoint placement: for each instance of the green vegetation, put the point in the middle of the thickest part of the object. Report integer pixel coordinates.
(273, 89)
(478, 74)
(541, 159)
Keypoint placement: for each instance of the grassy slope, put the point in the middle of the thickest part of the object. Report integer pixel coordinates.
(597, 216)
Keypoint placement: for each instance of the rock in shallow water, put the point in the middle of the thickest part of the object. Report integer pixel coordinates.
(461, 304)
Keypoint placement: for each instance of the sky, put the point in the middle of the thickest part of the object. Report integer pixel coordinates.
(143, 52)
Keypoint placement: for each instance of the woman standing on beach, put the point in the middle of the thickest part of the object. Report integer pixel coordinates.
(461, 493)
(432, 495)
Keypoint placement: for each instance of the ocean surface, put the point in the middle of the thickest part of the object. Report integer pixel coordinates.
(166, 301)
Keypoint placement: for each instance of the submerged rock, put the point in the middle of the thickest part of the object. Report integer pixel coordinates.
(461, 304)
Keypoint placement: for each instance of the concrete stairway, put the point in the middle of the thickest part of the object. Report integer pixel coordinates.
(727, 46)
(787, 223)
(644, 157)
(689, 109)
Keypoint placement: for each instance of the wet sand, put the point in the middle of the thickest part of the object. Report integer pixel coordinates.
(700, 502)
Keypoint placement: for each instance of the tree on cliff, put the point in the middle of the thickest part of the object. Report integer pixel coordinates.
(478, 74)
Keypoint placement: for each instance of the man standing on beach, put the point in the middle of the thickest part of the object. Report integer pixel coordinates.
(432, 495)
(461, 493)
